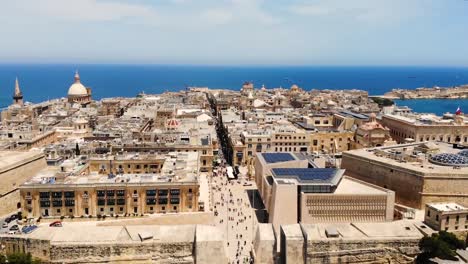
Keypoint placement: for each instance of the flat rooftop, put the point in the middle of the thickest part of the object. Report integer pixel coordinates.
(364, 231)
(11, 159)
(447, 207)
(411, 157)
(178, 168)
(90, 233)
(350, 185)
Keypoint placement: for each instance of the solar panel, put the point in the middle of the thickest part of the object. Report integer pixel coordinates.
(277, 157)
(306, 174)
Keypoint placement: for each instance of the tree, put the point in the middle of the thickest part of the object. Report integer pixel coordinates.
(19, 258)
(442, 245)
(382, 101)
(77, 149)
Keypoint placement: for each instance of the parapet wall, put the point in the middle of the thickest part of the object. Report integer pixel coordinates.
(362, 251)
(123, 252)
(309, 244)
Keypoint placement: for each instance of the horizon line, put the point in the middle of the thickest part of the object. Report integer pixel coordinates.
(234, 65)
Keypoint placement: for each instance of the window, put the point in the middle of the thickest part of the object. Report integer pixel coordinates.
(120, 209)
(70, 210)
(437, 218)
(112, 209)
(44, 194)
(58, 211)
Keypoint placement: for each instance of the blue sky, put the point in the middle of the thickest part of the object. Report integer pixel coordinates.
(294, 32)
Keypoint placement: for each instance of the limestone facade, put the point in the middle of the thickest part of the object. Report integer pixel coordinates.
(402, 128)
(108, 199)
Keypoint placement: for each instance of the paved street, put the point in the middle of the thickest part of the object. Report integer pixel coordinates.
(234, 214)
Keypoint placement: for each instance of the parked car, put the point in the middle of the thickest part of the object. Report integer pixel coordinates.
(14, 228)
(7, 220)
(56, 224)
(28, 229)
(5, 225)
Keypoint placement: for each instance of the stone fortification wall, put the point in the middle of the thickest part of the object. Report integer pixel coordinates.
(202, 247)
(123, 252)
(362, 251)
(15, 173)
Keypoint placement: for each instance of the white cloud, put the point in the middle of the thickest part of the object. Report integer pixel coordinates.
(216, 16)
(360, 10)
(80, 10)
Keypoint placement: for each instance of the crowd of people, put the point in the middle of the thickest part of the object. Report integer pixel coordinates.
(233, 212)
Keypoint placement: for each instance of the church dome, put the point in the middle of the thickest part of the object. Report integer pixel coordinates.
(172, 124)
(77, 89)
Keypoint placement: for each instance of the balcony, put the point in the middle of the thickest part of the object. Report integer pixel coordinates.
(135, 195)
(29, 197)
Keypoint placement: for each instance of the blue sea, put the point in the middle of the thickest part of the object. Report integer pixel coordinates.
(41, 82)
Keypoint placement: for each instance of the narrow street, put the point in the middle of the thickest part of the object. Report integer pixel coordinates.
(234, 215)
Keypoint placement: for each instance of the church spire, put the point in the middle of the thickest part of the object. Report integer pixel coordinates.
(17, 88)
(18, 95)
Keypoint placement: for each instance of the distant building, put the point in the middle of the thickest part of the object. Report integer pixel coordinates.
(373, 134)
(420, 128)
(247, 87)
(446, 216)
(78, 93)
(293, 191)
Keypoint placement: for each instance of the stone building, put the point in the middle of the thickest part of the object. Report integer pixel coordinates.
(449, 217)
(418, 173)
(372, 134)
(287, 181)
(126, 163)
(420, 128)
(72, 192)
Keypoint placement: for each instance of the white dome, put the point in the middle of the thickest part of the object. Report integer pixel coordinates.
(77, 89)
